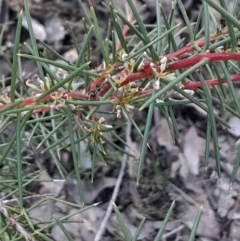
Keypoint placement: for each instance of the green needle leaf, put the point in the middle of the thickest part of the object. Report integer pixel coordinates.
(195, 225)
(19, 161)
(74, 153)
(212, 123)
(224, 13)
(66, 233)
(236, 166)
(145, 139)
(165, 221)
(186, 20)
(15, 57)
(126, 233)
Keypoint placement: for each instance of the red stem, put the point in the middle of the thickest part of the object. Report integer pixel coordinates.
(41, 110)
(32, 100)
(185, 63)
(76, 95)
(195, 85)
(145, 73)
(189, 48)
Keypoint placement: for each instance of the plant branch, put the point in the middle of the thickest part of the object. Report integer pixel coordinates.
(212, 57)
(211, 82)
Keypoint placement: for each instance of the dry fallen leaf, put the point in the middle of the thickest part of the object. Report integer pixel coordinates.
(134, 149)
(163, 134)
(90, 221)
(91, 190)
(225, 203)
(208, 226)
(234, 122)
(191, 150)
(38, 29)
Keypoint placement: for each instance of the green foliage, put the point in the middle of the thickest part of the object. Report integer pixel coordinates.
(133, 76)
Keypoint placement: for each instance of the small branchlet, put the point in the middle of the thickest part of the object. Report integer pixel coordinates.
(122, 75)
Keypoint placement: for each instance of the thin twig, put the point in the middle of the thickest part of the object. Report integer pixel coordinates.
(169, 234)
(184, 195)
(116, 189)
(33, 197)
(15, 223)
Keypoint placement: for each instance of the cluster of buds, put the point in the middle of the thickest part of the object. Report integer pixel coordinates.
(57, 98)
(40, 86)
(128, 64)
(160, 72)
(5, 97)
(120, 110)
(61, 74)
(123, 102)
(95, 128)
(119, 79)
